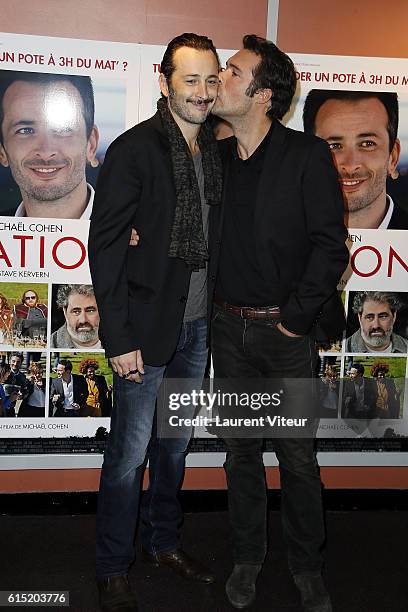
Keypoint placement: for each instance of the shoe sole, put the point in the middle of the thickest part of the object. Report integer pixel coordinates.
(239, 606)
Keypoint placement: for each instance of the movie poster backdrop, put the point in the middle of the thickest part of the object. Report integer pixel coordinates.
(52, 146)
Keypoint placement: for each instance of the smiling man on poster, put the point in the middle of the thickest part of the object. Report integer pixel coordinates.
(162, 177)
(361, 128)
(47, 137)
(281, 256)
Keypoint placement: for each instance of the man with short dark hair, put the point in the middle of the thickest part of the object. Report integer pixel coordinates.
(68, 392)
(162, 176)
(81, 327)
(361, 128)
(16, 376)
(377, 312)
(47, 136)
(359, 395)
(282, 253)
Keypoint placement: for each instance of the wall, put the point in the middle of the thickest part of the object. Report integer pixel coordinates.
(371, 28)
(152, 22)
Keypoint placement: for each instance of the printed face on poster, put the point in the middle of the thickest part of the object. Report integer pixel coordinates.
(59, 113)
(362, 113)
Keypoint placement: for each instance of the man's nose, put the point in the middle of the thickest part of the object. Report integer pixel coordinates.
(348, 161)
(83, 318)
(45, 146)
(202, 90)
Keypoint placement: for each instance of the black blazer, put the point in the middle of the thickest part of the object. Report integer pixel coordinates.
(80, 389)
(141, 292)
(299, 229)
(399, 218)
(349, 403)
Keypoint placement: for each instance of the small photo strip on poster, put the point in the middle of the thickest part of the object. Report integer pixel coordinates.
(377, 322)
(74, 318)
(373, 387)
(23, 384)
(329, 382)
(23, 316)
(80, 385)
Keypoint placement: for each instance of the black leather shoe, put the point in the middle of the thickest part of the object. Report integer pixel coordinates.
(240, 587)
(181, 563)
(313, 592)
(115, 595)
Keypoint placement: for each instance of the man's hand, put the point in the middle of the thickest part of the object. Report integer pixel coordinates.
(129, 366)
(55, 397)
(134, 238)
(286, 332)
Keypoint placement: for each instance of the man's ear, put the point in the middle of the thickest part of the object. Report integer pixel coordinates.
(393, 159)
(92, 147)
(3, 157)
(264, 96)
(163, 85)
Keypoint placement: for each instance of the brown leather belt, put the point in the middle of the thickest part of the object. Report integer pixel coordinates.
(261, 313)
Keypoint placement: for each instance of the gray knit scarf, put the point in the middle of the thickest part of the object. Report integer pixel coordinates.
(187, 235)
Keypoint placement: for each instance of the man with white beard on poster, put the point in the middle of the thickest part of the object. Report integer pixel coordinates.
(162, 177)
(81, 327)
(361, 128)
(47, 137)
(377, 312)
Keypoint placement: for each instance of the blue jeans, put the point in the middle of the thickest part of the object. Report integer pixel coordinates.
(134, 437)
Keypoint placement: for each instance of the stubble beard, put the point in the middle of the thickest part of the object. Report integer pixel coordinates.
(182, 110)
(52, 192)
(354, 202)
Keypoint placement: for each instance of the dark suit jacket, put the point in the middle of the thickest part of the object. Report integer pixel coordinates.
(20, 380)
(141, 292)
(349, 402)
(80, 389)
(399, 218)
(299, 229)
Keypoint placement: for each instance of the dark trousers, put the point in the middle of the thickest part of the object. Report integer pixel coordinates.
(241, 350)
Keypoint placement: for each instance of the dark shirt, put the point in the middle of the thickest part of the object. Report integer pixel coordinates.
(196, 306)
(240, 280)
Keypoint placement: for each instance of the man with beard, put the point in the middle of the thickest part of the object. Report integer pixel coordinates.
(47, 136)
(81, 326)
(162, 177)
(376, 311)
(361, 129)
(30, 316)
(282, 252)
